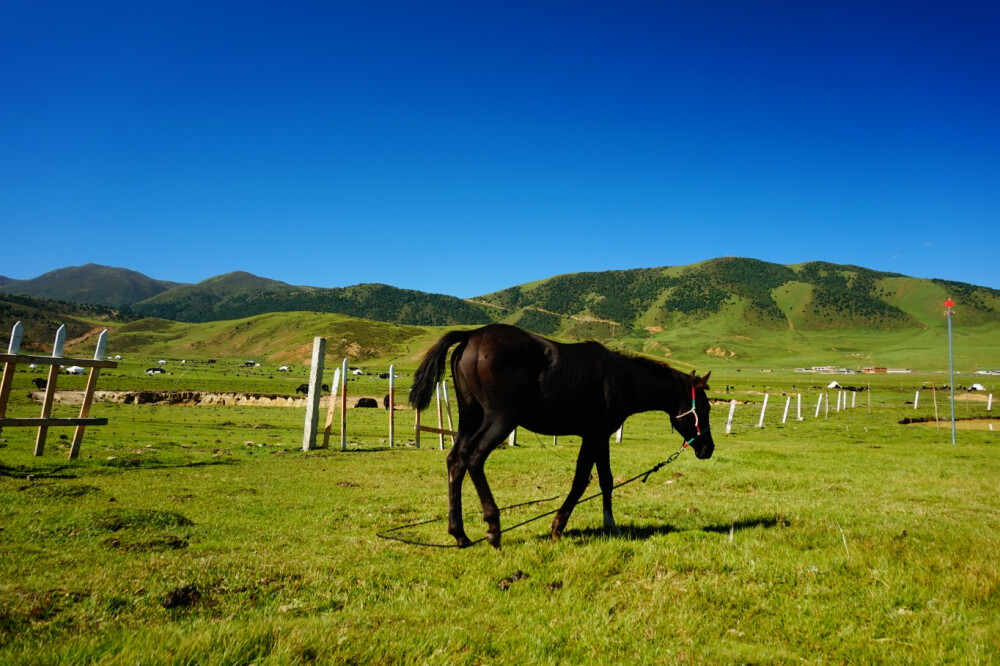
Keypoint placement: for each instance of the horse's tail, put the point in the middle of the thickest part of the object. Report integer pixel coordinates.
(432, 367)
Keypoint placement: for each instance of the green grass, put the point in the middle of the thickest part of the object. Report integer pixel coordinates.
(848, 538)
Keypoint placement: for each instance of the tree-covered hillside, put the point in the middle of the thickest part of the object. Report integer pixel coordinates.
(810, 296)
(367, 301)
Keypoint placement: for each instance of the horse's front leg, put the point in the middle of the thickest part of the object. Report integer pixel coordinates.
(602, 458)
(456, 475)
(584, 463)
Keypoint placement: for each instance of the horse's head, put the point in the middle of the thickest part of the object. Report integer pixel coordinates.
(691, 420)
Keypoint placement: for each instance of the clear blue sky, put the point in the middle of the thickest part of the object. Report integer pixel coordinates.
(464, 147)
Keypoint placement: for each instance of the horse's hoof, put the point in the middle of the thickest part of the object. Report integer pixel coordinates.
(494, 539)
(557, 527)
(463, 541)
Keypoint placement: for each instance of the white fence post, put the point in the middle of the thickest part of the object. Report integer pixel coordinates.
(729, 421)
(819, 404)
(618, 434)
(763, 408)
(989, 403)
(315, 393)
(392, 405)
(798, 406)
(343, 405)
(331, 408)
(916, 400)
(788, 403)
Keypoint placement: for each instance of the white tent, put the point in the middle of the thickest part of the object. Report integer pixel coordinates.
(833, 385)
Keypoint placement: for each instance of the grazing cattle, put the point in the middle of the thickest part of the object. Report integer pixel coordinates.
(249, 364)
(505, 377)
(383, 375)
(156, 371)
(304, 388)
(74, 370)
(367, 402)
(39, 382)
(284, 368)
(385, 401)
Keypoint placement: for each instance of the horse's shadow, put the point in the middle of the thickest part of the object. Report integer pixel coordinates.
(646, 532)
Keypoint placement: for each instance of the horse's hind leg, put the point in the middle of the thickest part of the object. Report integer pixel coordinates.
(487, 439)
(584, 463)
(456, 475)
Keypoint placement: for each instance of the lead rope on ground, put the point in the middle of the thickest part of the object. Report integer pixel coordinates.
(389, 536)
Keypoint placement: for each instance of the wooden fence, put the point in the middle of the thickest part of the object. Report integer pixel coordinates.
(55, 362)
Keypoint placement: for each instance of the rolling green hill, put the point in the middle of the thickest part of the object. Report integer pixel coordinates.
(731, 312)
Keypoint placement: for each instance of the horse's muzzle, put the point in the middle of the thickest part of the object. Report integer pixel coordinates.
(704, 446)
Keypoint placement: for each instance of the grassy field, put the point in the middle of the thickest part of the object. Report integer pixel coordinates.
(190, 534)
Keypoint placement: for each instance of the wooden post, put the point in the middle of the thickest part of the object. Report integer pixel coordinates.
(392, 405)
(314, 395)
(437, 394)
(416, 427)
(763, 408)
(447, 408)
(343, 405)
(729, 421)
(50, 390)
(331, 408)
(88, 396)
(8, 369)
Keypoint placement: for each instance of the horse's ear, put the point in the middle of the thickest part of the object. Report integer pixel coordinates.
(703, 381)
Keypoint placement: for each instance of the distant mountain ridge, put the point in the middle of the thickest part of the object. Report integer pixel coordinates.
(92, 284)
(732, 293)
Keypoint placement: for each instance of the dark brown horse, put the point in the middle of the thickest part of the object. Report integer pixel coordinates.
(505, 377)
